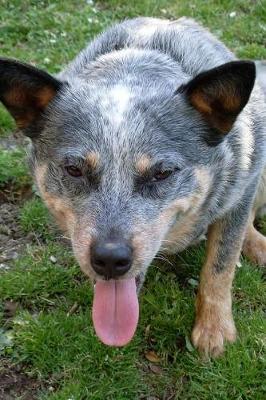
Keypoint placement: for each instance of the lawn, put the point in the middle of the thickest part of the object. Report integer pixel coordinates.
(48, 349)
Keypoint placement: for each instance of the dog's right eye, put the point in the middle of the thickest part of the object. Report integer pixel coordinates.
(73, 171)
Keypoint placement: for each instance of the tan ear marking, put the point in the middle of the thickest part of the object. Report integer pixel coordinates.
(220, 111)
(44, 96)
(200, 103)
(25, 90)
(15, 97)
(221, 93)
(26, 104)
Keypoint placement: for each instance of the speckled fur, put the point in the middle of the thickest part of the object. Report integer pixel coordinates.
(118, 110)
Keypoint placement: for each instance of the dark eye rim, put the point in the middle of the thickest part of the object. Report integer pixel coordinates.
(154, 178)
(73, 171)
(162, 175)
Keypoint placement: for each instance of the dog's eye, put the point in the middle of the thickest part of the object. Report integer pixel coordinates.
(73, 171)
(161, 175)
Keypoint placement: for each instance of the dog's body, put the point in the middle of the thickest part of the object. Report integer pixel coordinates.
(136, 149)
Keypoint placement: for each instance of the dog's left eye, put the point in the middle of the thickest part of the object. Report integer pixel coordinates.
(161, 175)
(73, 171)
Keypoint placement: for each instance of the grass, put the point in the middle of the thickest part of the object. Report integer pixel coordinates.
(13, 169)
(61, 346)
(34, 217)
(51, 334)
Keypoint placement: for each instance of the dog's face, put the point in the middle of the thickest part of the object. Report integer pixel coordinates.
(114, 173)
(121, 159)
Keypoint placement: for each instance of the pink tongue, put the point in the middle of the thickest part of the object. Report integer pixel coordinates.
(115, 311)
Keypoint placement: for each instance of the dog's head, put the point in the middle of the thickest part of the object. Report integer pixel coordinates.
(121, 154)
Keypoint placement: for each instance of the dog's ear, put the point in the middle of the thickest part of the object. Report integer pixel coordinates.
(25, 90)
(221, 93)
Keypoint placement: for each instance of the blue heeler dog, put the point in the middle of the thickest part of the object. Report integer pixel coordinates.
(152, 136)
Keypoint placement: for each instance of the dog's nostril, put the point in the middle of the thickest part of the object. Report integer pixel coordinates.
(111, 259)
(121, 263)
(99, 262)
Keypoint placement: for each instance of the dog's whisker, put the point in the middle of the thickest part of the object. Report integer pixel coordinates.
(162, 258)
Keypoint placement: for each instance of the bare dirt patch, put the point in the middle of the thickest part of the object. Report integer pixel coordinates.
(12, 239)
(16, 384)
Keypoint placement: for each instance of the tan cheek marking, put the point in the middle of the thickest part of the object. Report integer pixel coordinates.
(194, 201)
(179, 236)
(93, 159)
(190, 205)
(40, 173)
(142, 242)
(63, 214)
(143, 163)
(57, 206)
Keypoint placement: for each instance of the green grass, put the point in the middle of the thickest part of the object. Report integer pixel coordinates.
(6, 122)
(13, 168)
(62, 347)
(34, 217)
(51, 334)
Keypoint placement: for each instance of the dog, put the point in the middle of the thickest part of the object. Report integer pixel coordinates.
(152, 136)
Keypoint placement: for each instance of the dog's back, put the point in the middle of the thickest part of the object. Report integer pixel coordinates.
(183, 40)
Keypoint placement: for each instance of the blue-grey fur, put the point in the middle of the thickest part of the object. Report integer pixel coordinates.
(151, 58)
(119, 103)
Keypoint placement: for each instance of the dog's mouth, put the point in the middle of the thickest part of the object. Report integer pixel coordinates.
(115, 311)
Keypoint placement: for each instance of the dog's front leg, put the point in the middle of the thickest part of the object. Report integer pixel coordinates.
(214, 321)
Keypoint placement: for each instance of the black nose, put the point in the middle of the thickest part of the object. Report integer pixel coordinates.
(111, 258)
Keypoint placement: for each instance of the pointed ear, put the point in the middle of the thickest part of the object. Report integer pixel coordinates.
(25, 90)
(221, 93)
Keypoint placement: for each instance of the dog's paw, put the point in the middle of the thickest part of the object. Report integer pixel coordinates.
(211, 332)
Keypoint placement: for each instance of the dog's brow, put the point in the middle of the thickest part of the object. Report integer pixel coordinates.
(143, 163)
(93, 159)
(69, 152)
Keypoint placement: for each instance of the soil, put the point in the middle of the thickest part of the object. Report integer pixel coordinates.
(12, 238)
(16, 384)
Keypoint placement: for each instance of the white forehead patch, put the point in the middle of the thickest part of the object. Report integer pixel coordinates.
(116, 103)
